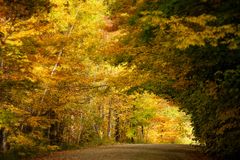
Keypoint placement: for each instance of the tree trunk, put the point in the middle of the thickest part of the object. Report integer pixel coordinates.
(3, 140)
(142, 133)
(117, 129)
(109, 119)
(100, 125)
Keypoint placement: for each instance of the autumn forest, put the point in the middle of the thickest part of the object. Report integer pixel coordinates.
(77, 73)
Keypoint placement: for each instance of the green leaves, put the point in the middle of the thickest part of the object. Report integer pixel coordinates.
(7, 118)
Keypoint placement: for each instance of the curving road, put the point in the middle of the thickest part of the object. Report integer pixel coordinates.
(131, 152)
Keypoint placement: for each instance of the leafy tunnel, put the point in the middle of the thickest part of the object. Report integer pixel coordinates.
(90, 72)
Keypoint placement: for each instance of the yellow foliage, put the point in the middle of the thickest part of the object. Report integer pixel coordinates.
(34, 121)
(20, 140)
(53, 148)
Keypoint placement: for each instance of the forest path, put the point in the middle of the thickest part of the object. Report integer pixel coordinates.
(130, 152)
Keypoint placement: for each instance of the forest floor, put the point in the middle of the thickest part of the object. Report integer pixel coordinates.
(130, 152)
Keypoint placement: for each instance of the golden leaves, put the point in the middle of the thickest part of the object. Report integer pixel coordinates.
(182, 32)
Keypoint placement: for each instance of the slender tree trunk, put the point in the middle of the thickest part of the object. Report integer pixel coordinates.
(109, 123)
(79, 136)
(117, 129)
(103, 120)
(80, 129)
(96, 128)
(3, 140)
(99, 125)
(109, 119)
(142, 133)
(1, 68)
(2, 62)
(60, 53)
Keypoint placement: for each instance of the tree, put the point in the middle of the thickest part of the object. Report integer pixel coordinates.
(188, 51)
(41, 77)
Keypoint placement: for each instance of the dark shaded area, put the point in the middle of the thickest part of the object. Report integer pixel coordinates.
(23, 9)
(226, 11)
(210, 91)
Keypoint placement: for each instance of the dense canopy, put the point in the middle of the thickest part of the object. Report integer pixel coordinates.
(90, 72)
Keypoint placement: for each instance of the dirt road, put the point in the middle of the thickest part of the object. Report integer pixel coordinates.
(131, 152)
